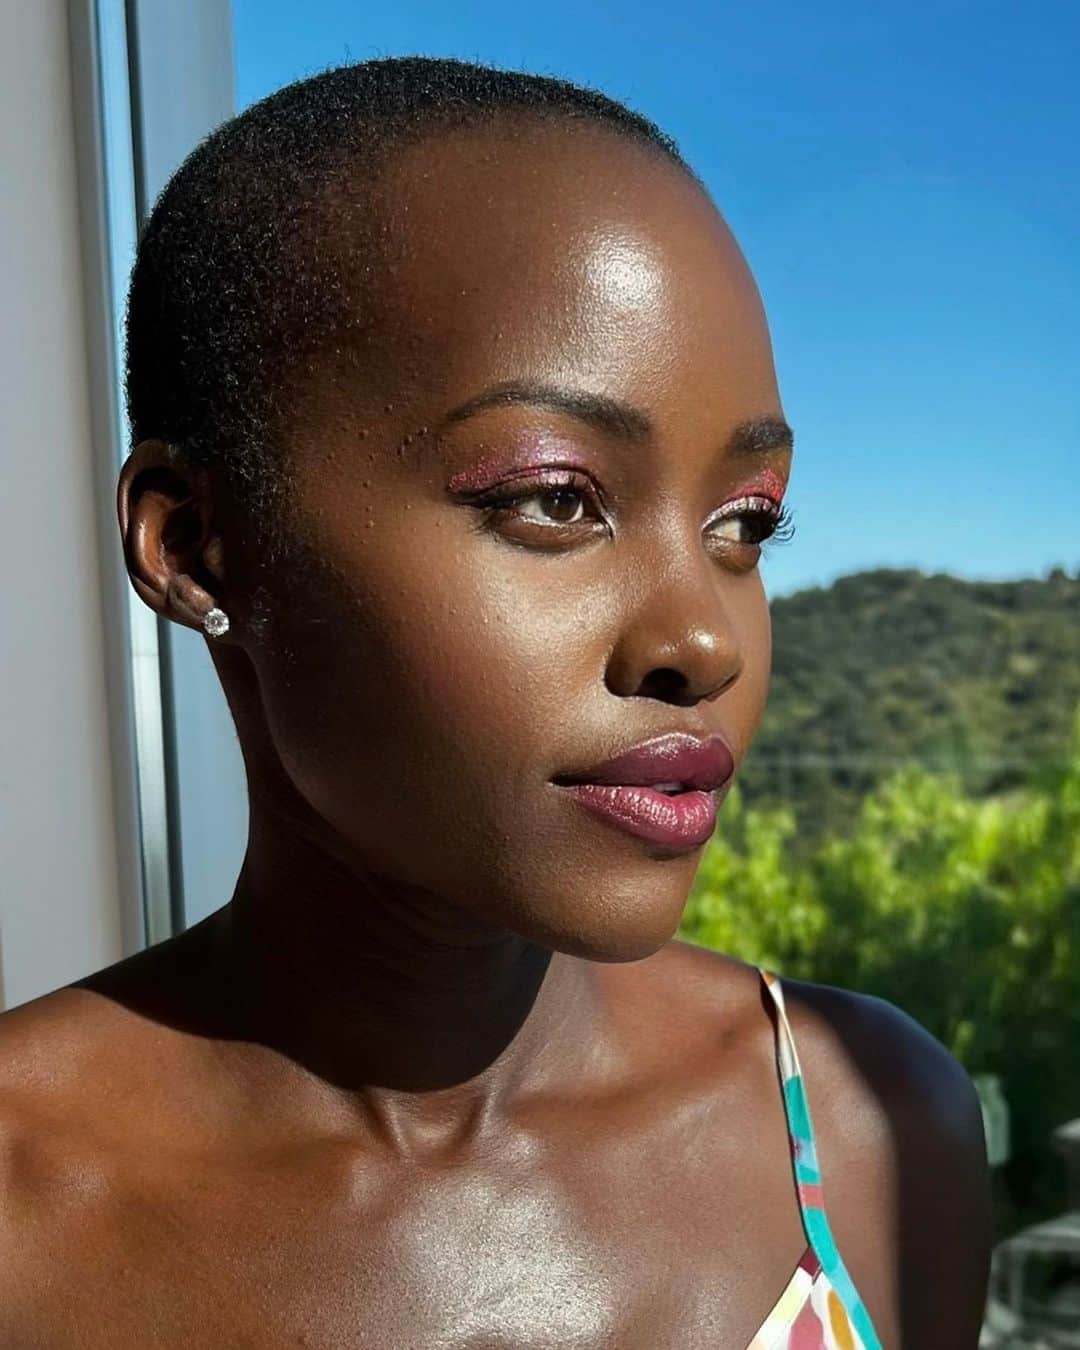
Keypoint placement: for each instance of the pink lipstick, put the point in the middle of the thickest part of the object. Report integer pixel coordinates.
(662, 790)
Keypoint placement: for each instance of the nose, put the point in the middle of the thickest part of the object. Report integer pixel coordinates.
(678, 643)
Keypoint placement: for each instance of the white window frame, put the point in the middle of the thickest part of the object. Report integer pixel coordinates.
(150, 79)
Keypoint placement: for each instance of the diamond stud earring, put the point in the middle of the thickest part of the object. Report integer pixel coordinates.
(216, 622)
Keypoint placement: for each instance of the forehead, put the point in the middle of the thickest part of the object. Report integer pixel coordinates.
(560, 251)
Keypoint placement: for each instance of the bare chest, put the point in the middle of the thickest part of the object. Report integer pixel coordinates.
(599, 1251)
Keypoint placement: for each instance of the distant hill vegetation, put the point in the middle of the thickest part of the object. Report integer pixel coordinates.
(894, 665)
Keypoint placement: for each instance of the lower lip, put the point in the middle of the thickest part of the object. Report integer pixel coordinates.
(681, 820)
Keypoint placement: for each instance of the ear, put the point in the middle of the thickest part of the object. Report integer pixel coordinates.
(166, 512)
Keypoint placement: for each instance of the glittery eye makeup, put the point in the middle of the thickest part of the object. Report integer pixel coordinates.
(494, 469)
(532, 487)
(755, 516)
(766, 483)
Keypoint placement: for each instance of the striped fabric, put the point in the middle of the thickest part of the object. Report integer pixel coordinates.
(820, 1309)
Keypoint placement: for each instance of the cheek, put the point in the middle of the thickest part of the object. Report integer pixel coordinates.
(428, 685)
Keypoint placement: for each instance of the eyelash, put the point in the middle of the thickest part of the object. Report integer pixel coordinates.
(494, 503)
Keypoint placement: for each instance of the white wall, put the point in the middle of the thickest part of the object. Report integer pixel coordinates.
(63, 863)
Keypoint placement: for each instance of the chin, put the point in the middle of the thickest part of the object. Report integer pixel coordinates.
(622, 924)
(616, 952)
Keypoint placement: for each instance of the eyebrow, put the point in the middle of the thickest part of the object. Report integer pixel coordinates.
(756, 436)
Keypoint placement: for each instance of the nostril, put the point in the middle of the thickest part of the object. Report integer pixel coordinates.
(666, 683)
(670, 686)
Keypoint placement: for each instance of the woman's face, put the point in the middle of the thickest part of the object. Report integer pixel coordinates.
(448, 656)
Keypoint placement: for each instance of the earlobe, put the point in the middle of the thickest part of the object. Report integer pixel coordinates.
(163, 512)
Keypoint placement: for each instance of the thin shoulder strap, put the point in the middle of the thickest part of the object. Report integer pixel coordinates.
(807, 1173)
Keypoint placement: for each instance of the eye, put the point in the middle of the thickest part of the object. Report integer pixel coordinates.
(751, 521)
(556, 504)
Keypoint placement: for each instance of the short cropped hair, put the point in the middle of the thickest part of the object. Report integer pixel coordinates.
(238, 276)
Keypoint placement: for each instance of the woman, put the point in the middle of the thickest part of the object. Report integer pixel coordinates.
(457, 432)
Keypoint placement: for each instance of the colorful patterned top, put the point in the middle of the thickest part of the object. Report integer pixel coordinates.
(820, 1309)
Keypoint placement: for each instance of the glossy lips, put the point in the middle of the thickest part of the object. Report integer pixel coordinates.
(622, 790)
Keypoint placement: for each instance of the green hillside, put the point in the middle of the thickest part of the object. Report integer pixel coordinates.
(890, 665)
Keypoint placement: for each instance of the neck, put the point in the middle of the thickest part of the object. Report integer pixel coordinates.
(426, 1020)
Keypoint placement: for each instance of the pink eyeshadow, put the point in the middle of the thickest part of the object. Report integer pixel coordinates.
(767, 483)
(495, 467)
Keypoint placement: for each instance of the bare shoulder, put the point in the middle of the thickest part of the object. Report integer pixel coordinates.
(50, 1054)
(870, 1048)
(76, 1047)
(866, 1050)
(83, 1079)
(903, 1161)
(64, 1059)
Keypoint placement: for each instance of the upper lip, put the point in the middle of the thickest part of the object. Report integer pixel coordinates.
(678, 757)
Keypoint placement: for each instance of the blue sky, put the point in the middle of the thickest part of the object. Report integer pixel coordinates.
(902, 179)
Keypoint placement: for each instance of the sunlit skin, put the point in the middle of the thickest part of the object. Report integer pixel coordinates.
(438, 1074)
